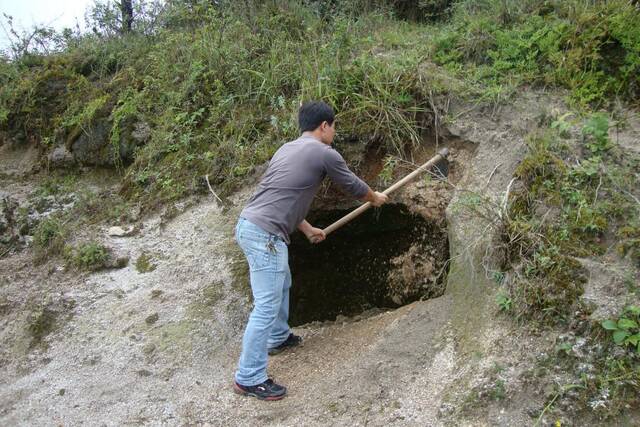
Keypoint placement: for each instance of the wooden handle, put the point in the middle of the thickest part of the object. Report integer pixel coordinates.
(362, 208)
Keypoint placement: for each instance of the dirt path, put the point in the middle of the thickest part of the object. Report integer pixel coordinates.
(111, 363)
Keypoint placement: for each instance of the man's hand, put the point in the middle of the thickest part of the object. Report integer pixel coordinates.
(379, 199)
(376, 198)
(315, 235)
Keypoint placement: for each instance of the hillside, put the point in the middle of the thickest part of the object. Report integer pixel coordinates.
(506, 294)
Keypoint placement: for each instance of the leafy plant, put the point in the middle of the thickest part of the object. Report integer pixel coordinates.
(91, 256)
(498, 277)
(504, 302)
(562, 125)
(626, 330)
(49, 237)
(597, 128)
(386, 174)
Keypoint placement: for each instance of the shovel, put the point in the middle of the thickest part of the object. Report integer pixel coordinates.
(441, 168)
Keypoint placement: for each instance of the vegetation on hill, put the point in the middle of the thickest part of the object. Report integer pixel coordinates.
(577, 201)
(199, 89)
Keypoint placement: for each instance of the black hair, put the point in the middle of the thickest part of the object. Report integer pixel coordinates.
(313, 113)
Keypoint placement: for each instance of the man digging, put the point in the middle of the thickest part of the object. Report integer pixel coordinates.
(277, 208)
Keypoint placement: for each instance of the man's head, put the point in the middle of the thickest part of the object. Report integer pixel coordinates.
(318, 119)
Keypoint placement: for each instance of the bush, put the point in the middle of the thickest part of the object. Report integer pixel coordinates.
(90, 256)
(49, 237)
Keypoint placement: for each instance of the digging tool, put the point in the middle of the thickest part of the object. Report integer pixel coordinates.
(441, 168)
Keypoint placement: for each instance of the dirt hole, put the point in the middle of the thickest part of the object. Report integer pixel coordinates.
(385, 258)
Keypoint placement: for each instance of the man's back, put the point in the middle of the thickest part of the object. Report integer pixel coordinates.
(287, 188)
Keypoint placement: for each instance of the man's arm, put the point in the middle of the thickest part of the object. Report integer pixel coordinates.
(339, 173)
(315, 235)
(376, 198)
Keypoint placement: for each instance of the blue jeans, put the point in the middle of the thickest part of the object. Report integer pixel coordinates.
(268, 258)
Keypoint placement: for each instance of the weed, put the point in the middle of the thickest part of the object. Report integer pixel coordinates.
(498, 277)
(567, 204)
(597, 128)
(498, 391)
(388, 167)
(144, 263)
(56, 185)
(625, 330)
(562, 125)
(588, 48)
(49, 237)
(90, 256)
(504, 302)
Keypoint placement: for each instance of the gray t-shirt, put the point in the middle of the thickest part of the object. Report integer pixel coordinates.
(292, 179)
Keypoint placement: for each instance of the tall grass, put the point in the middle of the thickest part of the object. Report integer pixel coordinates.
(219, 87)
(221, 96)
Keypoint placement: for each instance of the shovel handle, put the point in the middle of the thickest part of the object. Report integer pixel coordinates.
(364, 207)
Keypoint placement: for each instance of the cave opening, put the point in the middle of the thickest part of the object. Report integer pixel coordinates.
(386, 258)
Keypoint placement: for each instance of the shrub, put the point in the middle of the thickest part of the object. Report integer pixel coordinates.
(49, 237)
(90, 256)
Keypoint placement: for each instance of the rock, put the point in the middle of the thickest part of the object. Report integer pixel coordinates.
(92, 146)
(141, 132)
(118, 231)
(143, 373)
(148, 348)
(117, 261)
(150, 320)
(121, 262)
(60, 157)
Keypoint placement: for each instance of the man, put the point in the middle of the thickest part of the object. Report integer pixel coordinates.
(278, 207)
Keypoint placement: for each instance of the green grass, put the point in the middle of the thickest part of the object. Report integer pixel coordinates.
(574, 196)
(590, 48)
(144, 263)
(219, 88)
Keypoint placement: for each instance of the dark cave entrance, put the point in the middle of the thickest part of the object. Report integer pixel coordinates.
(385, 258)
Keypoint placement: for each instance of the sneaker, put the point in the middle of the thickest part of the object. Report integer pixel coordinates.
(267, 390)
(291, 341)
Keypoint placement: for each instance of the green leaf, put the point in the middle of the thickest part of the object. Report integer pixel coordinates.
(609, 325)
(626, 324)
(633, 309)
(633, 339)
(619, 336)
